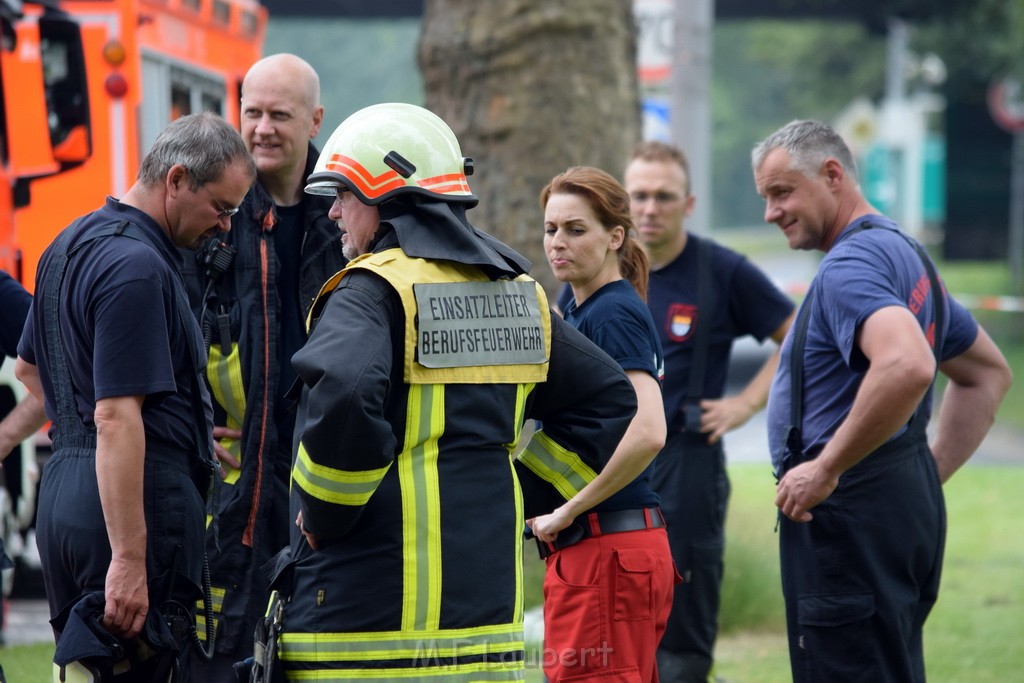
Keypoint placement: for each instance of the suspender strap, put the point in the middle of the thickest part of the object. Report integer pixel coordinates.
(794, 439)
(71, 431)
(701, 340)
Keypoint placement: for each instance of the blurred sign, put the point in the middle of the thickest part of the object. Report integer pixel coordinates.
(656, 113)
(1006, 104)
(654, 20)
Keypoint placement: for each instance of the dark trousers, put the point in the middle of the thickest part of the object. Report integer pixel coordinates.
(73, 545)
(860, 578)
(690, 478)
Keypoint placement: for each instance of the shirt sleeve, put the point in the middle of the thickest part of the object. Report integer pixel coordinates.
(625, 338)
(14, 304)
(756, 304)
(852, 287)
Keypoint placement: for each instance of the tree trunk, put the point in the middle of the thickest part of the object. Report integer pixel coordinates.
(530, 88)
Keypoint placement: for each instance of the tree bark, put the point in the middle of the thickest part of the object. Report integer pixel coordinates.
(530, 88)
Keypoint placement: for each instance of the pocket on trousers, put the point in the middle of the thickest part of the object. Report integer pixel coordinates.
(634, 572)
(835, 610)
(837, 639)
(572, 608)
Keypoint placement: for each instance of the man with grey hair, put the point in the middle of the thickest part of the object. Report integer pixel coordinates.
(862, 516)
(252, 312)
(111, 349)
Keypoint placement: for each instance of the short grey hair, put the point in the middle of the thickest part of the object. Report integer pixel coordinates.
(809, 144)
(203, 143)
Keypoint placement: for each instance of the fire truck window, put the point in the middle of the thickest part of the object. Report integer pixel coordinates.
(249, 23)
(63, 78)
(213, 103)
(221, 12)
(194, 4)
(181, 101)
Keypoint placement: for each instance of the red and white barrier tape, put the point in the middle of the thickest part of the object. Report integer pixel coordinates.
(977, 302)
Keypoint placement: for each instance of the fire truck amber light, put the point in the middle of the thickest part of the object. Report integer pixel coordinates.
(114, 53)
(116, 85)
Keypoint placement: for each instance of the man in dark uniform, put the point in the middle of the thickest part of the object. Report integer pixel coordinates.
(252, 312)
(864, 525)
(425, 356)
(702, 297)
(111, 346)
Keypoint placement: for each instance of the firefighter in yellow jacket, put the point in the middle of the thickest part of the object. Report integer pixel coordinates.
(425, 356)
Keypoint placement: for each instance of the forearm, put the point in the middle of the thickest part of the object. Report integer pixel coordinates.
(28, 374)
(966, 415)
(24, 419)
(755, 394)
(625, 465)
(120, 457)
(885, 401)
(642, 441)
(978, 381)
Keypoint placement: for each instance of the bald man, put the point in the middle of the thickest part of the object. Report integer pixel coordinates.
(252, 310)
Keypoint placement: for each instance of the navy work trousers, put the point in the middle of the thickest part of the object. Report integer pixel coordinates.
(690, 478)
(860, 578)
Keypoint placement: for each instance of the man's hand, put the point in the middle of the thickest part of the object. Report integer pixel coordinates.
(222, 453)
(127, 596)
(802, 488)
(719, 416)
(546, 527)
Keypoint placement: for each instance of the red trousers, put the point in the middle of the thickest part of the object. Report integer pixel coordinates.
(606, 603)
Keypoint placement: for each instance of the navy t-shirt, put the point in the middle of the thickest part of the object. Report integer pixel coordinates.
(742, 301)
(121, 328)
(14, 303)
(615, 319)
(870, 270)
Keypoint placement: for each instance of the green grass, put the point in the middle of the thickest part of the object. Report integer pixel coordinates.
(27, 663)
(972, 632)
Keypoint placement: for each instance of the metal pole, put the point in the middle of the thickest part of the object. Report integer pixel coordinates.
(1016, 234)
(896, 59)
(691, 99)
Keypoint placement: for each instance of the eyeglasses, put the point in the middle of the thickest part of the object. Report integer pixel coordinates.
(223, 212)
(658, 197)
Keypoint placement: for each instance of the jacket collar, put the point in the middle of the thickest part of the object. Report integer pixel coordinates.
(439, 230)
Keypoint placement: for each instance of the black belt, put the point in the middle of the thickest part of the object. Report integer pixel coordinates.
(600, 523)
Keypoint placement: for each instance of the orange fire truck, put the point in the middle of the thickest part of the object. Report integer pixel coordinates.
(85, 87)
(88, 85)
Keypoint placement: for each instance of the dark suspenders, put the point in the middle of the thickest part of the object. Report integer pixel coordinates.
(701, 340)
(794, 439)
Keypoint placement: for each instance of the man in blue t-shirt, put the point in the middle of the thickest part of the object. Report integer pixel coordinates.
(698, 314)
(862, 523)
(112, 349)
